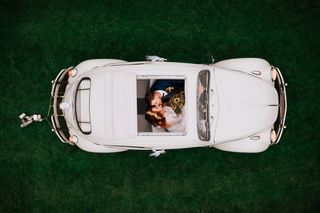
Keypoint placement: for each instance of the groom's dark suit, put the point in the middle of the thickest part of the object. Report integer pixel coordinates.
(169, 86)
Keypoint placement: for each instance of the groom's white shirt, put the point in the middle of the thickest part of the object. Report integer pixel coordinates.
(162, 92)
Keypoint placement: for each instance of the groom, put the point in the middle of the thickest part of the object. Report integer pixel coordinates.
(161, 92)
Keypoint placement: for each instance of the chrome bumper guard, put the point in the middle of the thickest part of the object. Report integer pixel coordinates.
(57, 94)
(280, 86)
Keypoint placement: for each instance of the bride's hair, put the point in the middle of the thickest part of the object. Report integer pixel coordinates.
(156, 119)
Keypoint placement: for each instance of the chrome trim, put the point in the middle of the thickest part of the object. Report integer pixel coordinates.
(126, 63)
(282, 104)
(55, 129)
(255, 137)
(56, 86)
(256, 72)
(54, 82)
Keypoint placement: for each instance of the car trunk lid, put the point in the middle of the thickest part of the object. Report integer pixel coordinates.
(112, 105)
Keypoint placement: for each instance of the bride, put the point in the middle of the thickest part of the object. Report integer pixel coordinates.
(165, 116)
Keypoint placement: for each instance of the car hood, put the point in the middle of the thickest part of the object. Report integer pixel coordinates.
(247, 105)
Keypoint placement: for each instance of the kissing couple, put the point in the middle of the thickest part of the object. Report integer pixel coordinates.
(165, 101)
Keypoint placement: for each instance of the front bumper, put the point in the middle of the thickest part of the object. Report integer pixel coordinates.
(280, 86)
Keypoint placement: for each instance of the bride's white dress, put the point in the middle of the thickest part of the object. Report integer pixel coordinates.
(176, 121)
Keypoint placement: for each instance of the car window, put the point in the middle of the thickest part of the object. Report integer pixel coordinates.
(203, 125)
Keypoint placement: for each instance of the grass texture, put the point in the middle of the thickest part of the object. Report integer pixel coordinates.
(39, 174)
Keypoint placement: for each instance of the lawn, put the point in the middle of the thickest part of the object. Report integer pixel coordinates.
(40, 174)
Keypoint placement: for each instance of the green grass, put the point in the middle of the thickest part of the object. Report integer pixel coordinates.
(39, 38)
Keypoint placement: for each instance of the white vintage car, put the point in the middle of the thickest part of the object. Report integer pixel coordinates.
(99, 105)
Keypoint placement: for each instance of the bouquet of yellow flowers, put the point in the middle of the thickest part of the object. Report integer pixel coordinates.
(177, 102)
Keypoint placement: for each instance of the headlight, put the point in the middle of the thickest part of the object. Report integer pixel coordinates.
(273, 136)
(72, 72)
(274, 73)
(73, 139)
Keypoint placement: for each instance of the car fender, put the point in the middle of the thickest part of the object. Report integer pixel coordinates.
(253, 66)
(256, 143)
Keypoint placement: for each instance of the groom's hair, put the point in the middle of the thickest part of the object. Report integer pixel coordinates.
(148, 98)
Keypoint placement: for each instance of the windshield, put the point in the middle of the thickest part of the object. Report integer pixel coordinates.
(203, 105)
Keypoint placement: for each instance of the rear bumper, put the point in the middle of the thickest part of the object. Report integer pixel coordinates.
(57, 94)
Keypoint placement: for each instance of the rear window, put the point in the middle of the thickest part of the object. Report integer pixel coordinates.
(83, 106)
